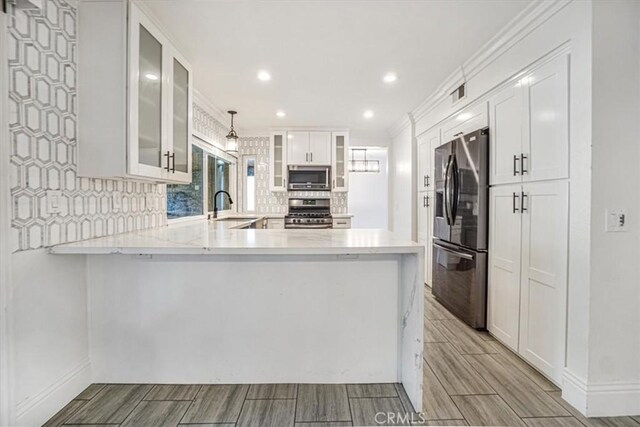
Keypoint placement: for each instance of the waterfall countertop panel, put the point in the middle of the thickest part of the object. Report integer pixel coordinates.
(227, 238)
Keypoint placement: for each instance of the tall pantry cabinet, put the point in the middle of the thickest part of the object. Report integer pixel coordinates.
(529, 211)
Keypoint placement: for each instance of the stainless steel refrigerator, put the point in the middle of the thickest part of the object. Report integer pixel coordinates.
(461, 220)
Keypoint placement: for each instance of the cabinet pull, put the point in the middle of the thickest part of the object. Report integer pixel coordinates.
(306, 157)
(515, 203)
(427, 197)
(173, 162)
(522, 208)
(515, 165)
(311, 154)
(334, 183)
(168, 156)
(522, 159)
(428, 180)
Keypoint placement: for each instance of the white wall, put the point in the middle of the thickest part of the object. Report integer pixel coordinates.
(614, 341)
(369, 193)
(402, 183)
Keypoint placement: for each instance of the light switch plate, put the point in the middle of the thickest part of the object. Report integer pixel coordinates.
(615, 220)
(117, 201)
(53, 201)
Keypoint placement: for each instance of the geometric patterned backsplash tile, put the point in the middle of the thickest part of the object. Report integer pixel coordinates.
(42, 116)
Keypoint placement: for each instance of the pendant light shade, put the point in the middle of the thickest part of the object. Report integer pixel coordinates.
(232, 137)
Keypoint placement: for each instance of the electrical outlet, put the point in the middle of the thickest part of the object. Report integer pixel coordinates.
(615, 220)
(53, 201)
(116, 199)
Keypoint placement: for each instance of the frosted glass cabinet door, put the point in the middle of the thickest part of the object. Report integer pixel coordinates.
(180, 167)
(339, 169)
(278, 162)
(148, 156)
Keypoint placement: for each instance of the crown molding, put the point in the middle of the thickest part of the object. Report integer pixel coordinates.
(534, 15)
(402, 124)
(369, 134)
(204, 103)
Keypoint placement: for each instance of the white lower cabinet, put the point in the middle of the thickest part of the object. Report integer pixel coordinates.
(425, 230)
(528, 271)
(274, 223)
(341, 223)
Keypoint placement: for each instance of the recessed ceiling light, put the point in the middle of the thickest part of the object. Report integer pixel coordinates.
(280, 113)
(390, 77)
(264, 75)
(151, 76)
(368, 114)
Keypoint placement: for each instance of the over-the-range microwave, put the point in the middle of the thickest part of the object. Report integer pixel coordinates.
(309, 178)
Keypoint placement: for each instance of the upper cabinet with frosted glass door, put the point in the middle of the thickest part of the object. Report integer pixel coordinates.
(135, 97)
(340, 161)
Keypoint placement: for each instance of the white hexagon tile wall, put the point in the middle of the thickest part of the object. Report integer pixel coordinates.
(42, 108)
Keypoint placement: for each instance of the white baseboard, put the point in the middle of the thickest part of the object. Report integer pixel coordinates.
(36, 410)
(601, 400)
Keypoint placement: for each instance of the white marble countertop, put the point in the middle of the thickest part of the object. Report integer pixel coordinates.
(224, 238)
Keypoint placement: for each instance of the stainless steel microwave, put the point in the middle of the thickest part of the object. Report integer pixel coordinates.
(309, 178)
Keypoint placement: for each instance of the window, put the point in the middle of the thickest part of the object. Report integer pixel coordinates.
(187, 200)
(249, 176)
(212, 170)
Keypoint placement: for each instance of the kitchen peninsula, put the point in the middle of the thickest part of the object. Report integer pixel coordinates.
(211, 302)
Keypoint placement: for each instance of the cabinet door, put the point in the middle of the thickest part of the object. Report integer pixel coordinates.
(180, 125)
(506, 133)
(298, 148)
(278, 162)
(429, 239)
(427, 143)
(339, 156)
(503, 301)
(546, 154)
(149, 150)
(468, 120)
(320, 148)
(545, 217)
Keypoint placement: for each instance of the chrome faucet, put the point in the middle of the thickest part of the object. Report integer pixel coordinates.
(215, 202)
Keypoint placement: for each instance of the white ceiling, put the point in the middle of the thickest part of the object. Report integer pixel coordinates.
(327, 58)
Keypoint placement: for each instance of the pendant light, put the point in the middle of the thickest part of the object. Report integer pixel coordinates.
(232, 136)
(363, 165)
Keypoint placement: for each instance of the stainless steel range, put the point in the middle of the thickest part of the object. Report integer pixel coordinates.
(309, 213)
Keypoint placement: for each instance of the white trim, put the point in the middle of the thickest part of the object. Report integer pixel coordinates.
(404, 123)
(213, 110)
(7, 415)
(613, 399)
(37, 409)
(524, 23)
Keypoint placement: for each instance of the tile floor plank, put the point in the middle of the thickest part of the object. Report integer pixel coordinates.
(402, 393)
(365, 410)
(63, 414)
(487, 410)
(156, 414)
(272, 391)
(506, 356)
(322, 402)
(553, 422)
(90, 392)
(372, 390)
(328, 424)
(271, 412)
(432, 332)
(592, 422)
(464, 338)
(217, 403)
(433, 310)
(520, 393)
(111, 405)
(436, 403)
(442, 423)
(173, 392)
(454, 372)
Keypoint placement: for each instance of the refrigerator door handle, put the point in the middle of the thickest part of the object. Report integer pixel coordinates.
(456, 189)
(446, 191)
(456, 253)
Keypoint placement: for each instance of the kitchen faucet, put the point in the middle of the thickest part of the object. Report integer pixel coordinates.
(215, 202)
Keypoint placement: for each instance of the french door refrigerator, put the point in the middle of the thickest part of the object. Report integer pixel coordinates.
(460, 226)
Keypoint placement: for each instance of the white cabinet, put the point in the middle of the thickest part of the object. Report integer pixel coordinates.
(278, 161)
(530, 126)
(425, 230)
(309, 148)
(468, 120)
(427, 143)
(274, 223)
(341, 223)
(339, 161)
(134, 97)
(528, 271)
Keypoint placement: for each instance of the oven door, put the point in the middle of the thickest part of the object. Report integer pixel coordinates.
(309, 178)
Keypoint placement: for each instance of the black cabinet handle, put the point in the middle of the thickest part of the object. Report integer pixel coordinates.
(168, 156)
(515, 165)
(515, 203)
(522, 159)
(173, 162)
(522, 208)
(427, 197)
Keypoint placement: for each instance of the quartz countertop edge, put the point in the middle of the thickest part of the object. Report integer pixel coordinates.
(224, 238)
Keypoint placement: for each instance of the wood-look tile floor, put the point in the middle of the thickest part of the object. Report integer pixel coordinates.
(469, 379)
